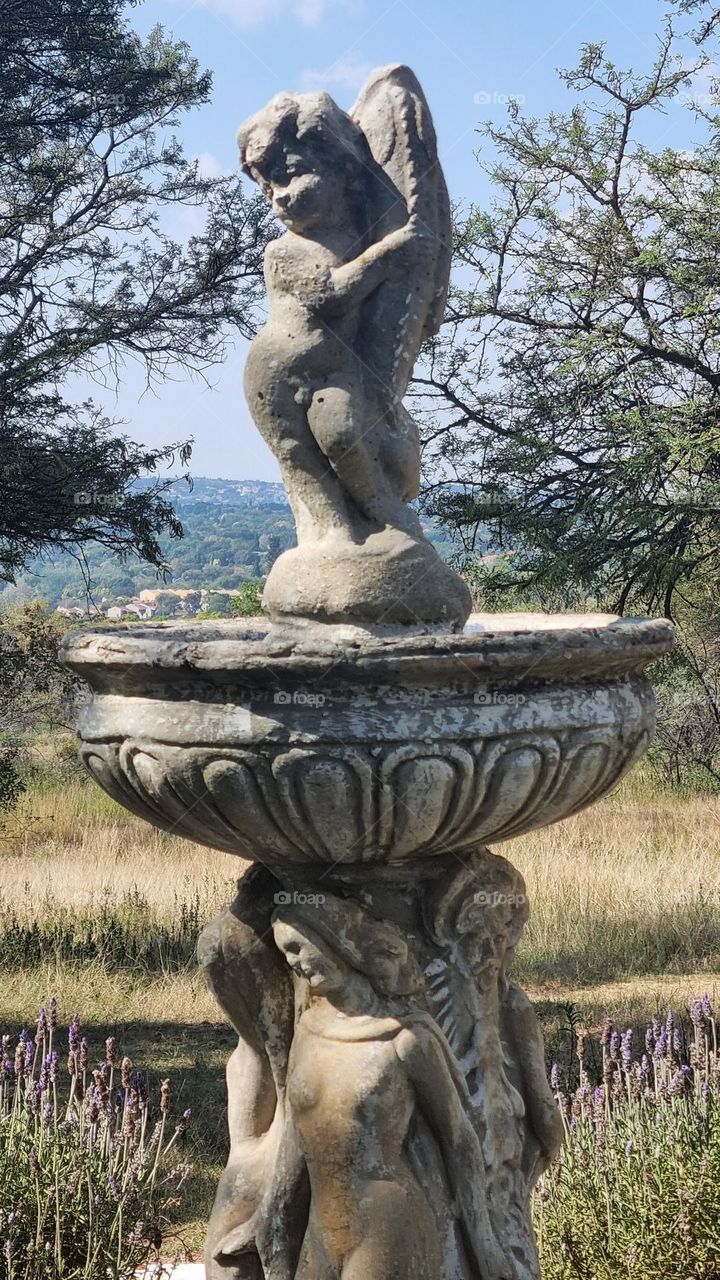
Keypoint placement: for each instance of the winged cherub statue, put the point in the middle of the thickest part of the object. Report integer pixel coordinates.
(355, 286)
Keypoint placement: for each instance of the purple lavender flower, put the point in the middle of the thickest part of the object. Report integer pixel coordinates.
(29, 1051)
(629, 1148)
(615, 1046)
(182, 1124)
(555, 1077)
(649, 1040)
(656, 1029)
(627, 1049)
(677, 1042)
(677, 1085)
(139, 1084)
(670, 1021)
(34, 1162)
(661, 1047)
(52, 1013)
(47, 1114)
(41, 1026)
(35, 1098)
(53, 1063)
(74, 1034)
(115, 1188)
(696, 1011)
(707, 1006)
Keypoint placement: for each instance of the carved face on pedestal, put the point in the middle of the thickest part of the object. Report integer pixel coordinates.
(490, 923)
(342, 948)
(310, 959)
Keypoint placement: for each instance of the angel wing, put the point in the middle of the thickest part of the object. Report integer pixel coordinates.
(393, 113)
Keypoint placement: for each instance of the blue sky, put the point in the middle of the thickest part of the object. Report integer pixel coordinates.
(470, 55)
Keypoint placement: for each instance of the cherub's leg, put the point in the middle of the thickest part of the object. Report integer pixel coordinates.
(280, 413)
(348, 430)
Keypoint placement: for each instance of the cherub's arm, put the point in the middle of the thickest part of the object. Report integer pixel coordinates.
(354, 281)
(442, 1107)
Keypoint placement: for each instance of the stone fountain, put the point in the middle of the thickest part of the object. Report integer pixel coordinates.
(389, 1112)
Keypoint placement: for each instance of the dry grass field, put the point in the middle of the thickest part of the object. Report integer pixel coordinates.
(625, 921)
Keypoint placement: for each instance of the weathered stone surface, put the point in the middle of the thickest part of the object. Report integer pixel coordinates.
(355, 285)
(397, 1128)
(387, 1102)
(378, 752)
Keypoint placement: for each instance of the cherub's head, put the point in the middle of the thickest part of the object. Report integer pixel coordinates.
(308, 157)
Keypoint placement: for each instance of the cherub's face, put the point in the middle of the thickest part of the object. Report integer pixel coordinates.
(302, 193)
(308, 960)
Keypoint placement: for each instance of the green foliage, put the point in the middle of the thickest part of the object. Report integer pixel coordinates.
(89, 277)
(86, 1178)
(686, 749)
(636, 1191)
(33, 686)
(224, 545)
(125, 934)
(249, 603)
(575, 391)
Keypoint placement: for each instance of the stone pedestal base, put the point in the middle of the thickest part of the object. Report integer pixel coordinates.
(388, 1106)
(389, 578)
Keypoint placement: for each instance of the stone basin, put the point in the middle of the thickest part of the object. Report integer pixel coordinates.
(361, 749)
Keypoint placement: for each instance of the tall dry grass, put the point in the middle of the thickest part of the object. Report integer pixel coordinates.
(628, 888)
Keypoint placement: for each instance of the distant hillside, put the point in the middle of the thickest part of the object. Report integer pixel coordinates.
(234, 531)
(234, 493)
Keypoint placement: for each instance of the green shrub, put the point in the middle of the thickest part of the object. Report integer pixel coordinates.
(124, 934)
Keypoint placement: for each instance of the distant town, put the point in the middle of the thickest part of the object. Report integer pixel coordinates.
(165, 602)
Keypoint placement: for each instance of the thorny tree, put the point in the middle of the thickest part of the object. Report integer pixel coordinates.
(90, 276)
(576, 389)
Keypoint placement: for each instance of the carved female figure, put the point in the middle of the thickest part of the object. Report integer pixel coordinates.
(480, 917)
(380, 1113)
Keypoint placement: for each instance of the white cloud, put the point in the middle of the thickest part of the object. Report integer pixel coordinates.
(346, 73)
(209, 166)
(250, 13)
(703, 90)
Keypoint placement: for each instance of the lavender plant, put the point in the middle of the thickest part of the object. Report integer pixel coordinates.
(636, 1190)
(88, 1170)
